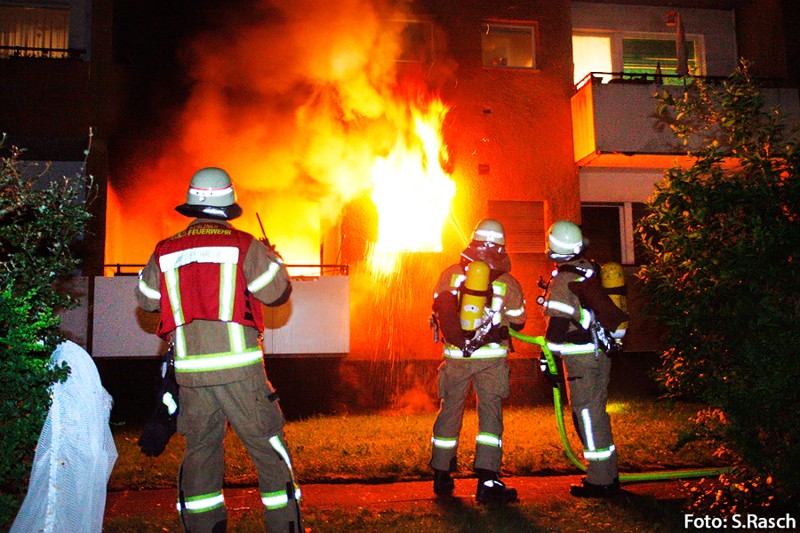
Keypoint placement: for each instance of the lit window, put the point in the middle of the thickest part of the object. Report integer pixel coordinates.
(508, 46)
(633, 55)
(591, 53)
(644, 56)
(33, 32)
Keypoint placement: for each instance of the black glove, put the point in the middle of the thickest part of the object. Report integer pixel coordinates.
(160, 427)
(163, 422)
(555, 380)
(497, 334)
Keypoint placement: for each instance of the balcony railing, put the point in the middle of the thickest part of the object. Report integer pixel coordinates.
(132, 269)
(13, 52)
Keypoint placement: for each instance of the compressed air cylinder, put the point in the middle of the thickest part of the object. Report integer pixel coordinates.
(473, 296)
(612, 277)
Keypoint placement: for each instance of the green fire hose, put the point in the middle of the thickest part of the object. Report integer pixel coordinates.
(552, 369)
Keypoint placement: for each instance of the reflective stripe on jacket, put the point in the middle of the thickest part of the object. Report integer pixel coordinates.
(202, 277)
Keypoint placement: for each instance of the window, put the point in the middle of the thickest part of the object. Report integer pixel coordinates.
(633, 54)
(591, 53)
(33, 32)
(644, 56)
(523, 223)
(508, 45)
(609, 228)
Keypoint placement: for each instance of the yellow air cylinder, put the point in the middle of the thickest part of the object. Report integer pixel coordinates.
(612, 277)
(473, 296)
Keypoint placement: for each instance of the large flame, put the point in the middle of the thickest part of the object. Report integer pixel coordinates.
(411, 190)
(309, 109)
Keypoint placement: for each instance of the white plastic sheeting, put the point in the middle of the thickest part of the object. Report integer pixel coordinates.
(75, 454)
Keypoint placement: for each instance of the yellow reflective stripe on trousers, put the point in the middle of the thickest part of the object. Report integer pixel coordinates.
(278, 499)
(202, 503)
(444, 443)
(277, 445)
(602, 454)
(489, 439)
(219, 361)
(590, 452)
(587, 429)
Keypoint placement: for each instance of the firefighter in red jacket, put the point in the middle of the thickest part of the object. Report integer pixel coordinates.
(208, 282)
(476, 354)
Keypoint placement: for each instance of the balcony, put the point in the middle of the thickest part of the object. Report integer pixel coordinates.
(614, 124)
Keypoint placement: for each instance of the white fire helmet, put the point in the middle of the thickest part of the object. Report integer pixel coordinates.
(210, 195)
(564, 241)
(491, 231)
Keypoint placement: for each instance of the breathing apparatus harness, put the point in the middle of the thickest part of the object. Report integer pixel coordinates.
(473, 305)
(594, 297)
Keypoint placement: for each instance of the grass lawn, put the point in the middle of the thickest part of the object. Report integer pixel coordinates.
(393, 447)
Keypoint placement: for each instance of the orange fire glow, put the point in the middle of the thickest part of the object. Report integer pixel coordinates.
(309, 113)
(411, 190)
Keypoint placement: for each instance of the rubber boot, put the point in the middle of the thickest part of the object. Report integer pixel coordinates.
(443, 484)
(591, 490)
(492, 490)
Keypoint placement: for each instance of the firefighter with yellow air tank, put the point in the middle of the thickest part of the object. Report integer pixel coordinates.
(474, 303)
(585, 327)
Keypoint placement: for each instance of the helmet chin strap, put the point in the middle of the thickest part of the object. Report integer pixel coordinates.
(561, 257)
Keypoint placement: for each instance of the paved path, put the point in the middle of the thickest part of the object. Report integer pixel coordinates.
(151, 503)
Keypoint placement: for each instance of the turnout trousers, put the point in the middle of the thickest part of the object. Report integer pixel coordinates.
(587, 385)
(490, 380)
(251, 407)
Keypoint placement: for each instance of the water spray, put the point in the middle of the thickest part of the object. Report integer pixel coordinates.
(556, 380)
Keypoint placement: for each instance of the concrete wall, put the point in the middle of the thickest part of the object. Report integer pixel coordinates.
(315, 321)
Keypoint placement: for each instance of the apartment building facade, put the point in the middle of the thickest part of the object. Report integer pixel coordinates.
(550, 105)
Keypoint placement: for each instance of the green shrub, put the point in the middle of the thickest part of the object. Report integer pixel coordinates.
(723, 243)
(39, 223)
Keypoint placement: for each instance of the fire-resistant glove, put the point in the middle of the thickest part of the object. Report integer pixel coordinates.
(553, 379)
(497, 334)
(163, 422)
(158, 430)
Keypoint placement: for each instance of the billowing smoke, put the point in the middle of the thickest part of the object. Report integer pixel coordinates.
(295, 99)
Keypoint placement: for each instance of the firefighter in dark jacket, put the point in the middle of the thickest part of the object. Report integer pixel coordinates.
(574, 334)
(476, 354)
(208, 282)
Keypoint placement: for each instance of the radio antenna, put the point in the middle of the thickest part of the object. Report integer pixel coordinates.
(264, 233)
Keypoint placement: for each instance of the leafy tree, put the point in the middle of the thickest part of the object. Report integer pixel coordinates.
(723, 244)
(39, 224)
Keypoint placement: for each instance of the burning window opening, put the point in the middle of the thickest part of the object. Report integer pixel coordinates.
(411, 190)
